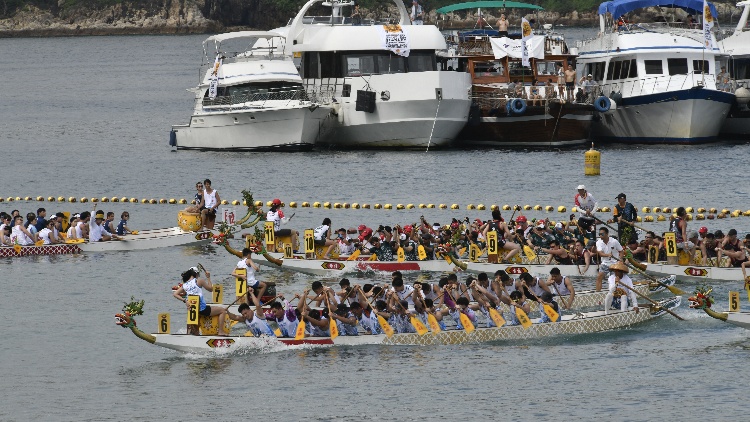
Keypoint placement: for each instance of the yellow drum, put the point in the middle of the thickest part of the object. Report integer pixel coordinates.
(189, 221)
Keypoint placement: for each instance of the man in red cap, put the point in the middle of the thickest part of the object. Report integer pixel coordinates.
(276, 215)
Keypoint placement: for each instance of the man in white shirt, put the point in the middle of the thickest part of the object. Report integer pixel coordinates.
(417, 13)
(606, 248)
(619, 276)
(49, 234)
(96, 229)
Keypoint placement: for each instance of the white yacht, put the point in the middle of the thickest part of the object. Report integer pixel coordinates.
(381, 79)
(250, 98)
(660, 76)
(737, 48)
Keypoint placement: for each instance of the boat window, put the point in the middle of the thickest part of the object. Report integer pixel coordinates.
(254, 91)
(633, 69)
(357, 65)
(310, 65)
(546, 68)
(653, 67)
(677, 66)
(700, 66)
(517, 70)
(625, 69)
(328, 65)
(489, 68)
(618, 68)
(391, 63)
(610, 71)
(419, 61)
(740, 68)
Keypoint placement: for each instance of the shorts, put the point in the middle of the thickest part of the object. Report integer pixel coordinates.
(570, 85)
(282, 232)
(603, 268)
(320, 242)
(211, 213)
(252, 284)
(206, 311)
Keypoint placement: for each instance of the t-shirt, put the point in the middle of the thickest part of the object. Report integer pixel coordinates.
(384, 252)
(607, 248)
(41, 223)
(44, 235)
(321, 232)
(121, 227)
(276, 217)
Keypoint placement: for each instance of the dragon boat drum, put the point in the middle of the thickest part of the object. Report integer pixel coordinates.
(189, 221)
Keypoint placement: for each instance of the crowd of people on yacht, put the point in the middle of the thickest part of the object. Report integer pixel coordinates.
(42, 229)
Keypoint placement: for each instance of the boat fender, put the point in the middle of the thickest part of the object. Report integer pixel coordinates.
(517, 106)
(172, 138)
(339, 112)
(602, 104)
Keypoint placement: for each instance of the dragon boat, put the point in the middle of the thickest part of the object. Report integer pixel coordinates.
(703, 299)
(573, 324)
(695, 273)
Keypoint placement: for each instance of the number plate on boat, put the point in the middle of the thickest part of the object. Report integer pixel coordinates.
(202, 235)
(332, 266)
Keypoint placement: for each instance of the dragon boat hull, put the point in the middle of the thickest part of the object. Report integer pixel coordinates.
(59, 249)
(334, 267)
(695, 273)
(574, 324)
(150, 239)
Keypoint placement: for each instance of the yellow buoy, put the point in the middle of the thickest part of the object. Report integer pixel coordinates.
(115, 199)
(258, 203)
(689, 209)
(537, 207)
(336, 205)
(638, 219)
(548, 208)
(561, 208)
(355, 205)
(346, 205)
(470, 207)
(143, 201)
(454, 206)
(661, 218)
(657, 209)
(182, 201)
(422, 206)
(50, 199)
(430, 205)
(94, 199)
(40, 198)
(174, 201)
(235, 202)
(606, 209)
(701, 210)
(574, 209)
(269, 203)
(725, 211)
(712, 211)
(667, 210)
(84, 199)
(305, 204)
(2, 199)
(377, 206)
(60, 199)
(592, 162)
(326, 204)
(649, 218)
(388, 206)
(646, 210)
(735, 214)
(527, 207)
(72, 199)
(700, 217)
(721, 216)
(105, 199)
(293, 204)
(18, 198)
(164, 201)
(154, 201)
(400, 206)
(316, 204)
(689, 217)
(481, 207)
(366, 206)
(409, 206)
(506, 207)
(443, 206)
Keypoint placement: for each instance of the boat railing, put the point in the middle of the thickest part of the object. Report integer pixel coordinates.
(325, 90)
(657, 84)
(497, 99)
(257, 99)
(674, 28)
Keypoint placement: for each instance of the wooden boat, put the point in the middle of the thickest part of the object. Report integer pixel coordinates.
(150, 239)
(574, 324)
(702, 299)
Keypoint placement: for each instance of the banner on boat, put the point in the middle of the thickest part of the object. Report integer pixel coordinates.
(394, 39)
(526, 34)
(504, 46)
(708, 24)
(213, 87)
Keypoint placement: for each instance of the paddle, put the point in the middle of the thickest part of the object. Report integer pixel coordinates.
(548, 310)
(465, 321)
(419, 327)
(672, 289)
(387, 329)
(650, 300)
(562, 299)
(494, 314)
(333, 328)
(300, 333)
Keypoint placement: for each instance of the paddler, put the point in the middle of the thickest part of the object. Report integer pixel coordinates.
(562, 286)
(255, 320)
(503, 235)
(560, 255)
(625, 214)
(193, 286)
(546, 299)
(276, 215)
(517, 300)
(531, 286)
(250, 268)
(606, 247)
(619, 274)
(284, 316)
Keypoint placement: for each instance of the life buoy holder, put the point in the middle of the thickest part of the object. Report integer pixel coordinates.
(517, 107)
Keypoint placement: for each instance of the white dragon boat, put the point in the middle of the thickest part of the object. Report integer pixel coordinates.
(695, 273)
(702, 299)
(574, 324)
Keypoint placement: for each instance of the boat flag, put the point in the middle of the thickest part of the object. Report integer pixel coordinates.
(213, 87)
(526, 35)
(708, 24)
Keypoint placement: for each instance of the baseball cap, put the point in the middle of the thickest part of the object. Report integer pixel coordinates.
(403, 236)
(521, 219)
(276, 201)
(581, 187)
(361, 227)
(622, 195)
(703, 229)
(558, 226)
(436, 226)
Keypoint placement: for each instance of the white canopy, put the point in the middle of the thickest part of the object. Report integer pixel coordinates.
(505, 46)
(241, 34)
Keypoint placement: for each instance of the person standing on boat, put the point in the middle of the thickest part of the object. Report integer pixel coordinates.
(502, 26)
(417, 13)
(356, 16)
(678, 226)
(41, 221)
(250, 268)
(96, 229)
(276, 215)
(586, 208)
(560, 81)
(570, 82)
(193, 286)
(619, 275)
(212, 201)
(625, 215)
(606, 247)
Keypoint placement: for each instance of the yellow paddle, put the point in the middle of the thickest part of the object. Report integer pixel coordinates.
(354, 255)
(551, 313)
(332, 324)
(522, 317)
(387, 329)
(415, 322)
(300, 333)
